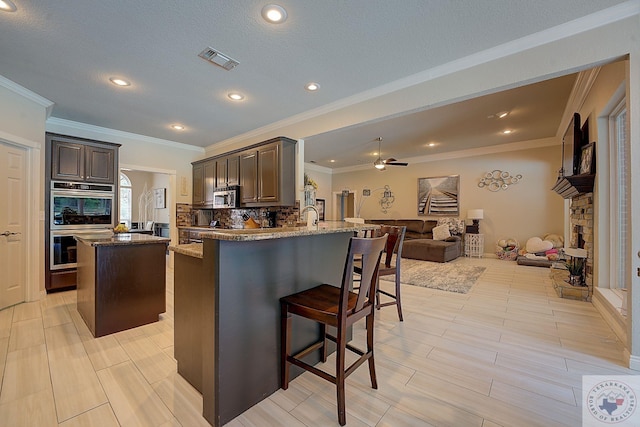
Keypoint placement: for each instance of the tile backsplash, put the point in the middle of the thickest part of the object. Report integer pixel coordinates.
(232, 218)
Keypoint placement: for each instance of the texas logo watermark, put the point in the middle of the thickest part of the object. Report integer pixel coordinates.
(610, 400)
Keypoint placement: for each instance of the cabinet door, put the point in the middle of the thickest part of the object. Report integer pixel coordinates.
(268, 173)
(198, 184)
(99, 164)
(249, 177)
(209, 181)
(67, 161)
(233, 170)
(221, 172)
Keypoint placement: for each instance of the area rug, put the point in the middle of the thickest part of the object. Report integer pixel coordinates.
(451, 276)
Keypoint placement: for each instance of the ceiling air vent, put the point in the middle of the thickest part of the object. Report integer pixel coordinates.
(218, 58)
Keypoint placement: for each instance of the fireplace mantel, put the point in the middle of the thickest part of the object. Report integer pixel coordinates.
(572, 186)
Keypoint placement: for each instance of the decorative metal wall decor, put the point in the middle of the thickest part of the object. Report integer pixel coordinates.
(439, 195)
(498, 180)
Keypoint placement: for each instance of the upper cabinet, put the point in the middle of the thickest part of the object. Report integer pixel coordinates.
(75, 159)
(267, 174)
(204, 177)
(228, 171)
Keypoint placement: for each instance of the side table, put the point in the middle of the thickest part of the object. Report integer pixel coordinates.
(473, 245)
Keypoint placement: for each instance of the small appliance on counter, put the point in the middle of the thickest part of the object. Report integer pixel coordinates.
(249, 222)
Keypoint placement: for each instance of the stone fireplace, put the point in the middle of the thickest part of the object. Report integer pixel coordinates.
(581, 223)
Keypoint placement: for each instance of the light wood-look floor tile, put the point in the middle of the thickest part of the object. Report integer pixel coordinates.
(75, 384)
(6, 319)
(104, 351)
(182, 400)
(26, 333)
(26, 372)
(35, 409)
(132, 398)
(102, 416)
(508, 353)
(152, 362)
(26, 311)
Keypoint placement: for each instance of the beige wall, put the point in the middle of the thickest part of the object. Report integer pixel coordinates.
(161, 180)
(524, 210)
(322, 177)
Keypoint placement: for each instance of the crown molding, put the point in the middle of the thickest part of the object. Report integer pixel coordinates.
(472, 152)
(317, 168)
(564, 30)
(54, 125)
(26, 93)
(581, 88)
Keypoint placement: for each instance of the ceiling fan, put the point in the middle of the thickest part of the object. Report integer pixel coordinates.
(380, 164)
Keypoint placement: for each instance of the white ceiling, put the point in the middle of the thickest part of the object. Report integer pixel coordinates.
(66, 51)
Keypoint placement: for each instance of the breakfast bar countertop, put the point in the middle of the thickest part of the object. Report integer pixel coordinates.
(252, 234)
(117, 239)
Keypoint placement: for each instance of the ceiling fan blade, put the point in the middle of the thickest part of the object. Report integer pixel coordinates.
(393, 162)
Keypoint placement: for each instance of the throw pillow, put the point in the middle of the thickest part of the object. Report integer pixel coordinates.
(441, 232)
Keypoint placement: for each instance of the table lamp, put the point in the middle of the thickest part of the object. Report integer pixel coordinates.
(476, 215)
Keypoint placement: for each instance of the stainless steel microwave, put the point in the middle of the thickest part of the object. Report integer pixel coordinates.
(226, 197)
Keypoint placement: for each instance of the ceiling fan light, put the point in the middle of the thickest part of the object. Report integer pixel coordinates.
(379, 164)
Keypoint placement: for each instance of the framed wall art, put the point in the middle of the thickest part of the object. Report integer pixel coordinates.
(439, 195)
(320, 207)
(587, 159)
(159, 198)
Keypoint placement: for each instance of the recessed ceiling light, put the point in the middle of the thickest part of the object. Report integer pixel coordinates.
(312, 86)
(236, 96)
(119, 82)
(274, 14)
(332, 161)
(502, 114)
(177, 127)
(431, 144)
(7, 6)
(507, 132)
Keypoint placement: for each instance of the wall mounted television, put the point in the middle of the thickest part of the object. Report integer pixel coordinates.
(571, 147)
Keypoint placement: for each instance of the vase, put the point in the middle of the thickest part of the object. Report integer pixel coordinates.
(575, 280)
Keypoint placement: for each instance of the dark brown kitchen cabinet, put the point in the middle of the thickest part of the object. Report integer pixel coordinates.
(209, 181)
(233, 170)
(227, 171)
(267, 174)
(221, 172)
(198, 184)
(249, 177)
(74, 159)
(204, 179)
(99, 164)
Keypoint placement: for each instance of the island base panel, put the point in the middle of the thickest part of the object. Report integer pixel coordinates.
(128, 287)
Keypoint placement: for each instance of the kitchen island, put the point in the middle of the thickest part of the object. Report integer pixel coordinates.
(121, 280)
(227, 312)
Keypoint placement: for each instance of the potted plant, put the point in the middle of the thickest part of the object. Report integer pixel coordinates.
(575, 266)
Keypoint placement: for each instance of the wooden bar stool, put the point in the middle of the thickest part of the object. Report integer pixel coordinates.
(395, 241)
(340, 308)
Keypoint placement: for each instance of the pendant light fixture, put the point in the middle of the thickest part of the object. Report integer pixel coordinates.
(379, 163)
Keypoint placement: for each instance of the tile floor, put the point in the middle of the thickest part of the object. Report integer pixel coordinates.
(509, 353)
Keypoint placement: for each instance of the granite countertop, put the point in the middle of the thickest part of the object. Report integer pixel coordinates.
(189, 249)
(103, 239)
(253, 234)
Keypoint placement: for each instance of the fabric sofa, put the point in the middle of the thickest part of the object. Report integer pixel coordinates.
(419, 243)
(416, 228)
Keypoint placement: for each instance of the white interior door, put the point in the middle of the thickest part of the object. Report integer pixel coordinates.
(12, 225)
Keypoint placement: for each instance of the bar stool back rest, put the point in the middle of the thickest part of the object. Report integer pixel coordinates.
(340, 308)
(395, 241)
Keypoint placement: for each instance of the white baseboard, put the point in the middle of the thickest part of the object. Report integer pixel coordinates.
(611, 316)
(634, 362)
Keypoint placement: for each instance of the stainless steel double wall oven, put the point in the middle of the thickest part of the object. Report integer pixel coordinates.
(77, 208)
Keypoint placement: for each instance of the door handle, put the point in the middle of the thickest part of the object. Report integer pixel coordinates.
(9, 233)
